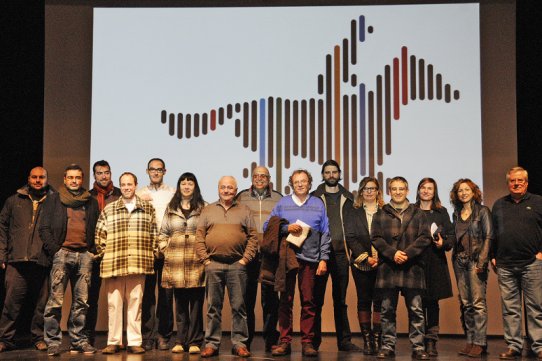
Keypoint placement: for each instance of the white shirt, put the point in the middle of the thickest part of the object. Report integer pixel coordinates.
(159, 199)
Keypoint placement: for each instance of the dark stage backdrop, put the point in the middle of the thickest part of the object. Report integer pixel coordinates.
(24, 64)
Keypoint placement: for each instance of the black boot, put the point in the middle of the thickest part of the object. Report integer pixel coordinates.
(367, 341)
(377, 340)
(431, 348)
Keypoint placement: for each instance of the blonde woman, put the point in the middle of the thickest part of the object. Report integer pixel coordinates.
(358, 216)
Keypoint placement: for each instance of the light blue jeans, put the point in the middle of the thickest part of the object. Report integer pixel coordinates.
(234, 277)
(512, 281)
(416, 320)
(472, 293)
(76, 268)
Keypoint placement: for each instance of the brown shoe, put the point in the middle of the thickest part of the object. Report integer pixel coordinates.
(40, 346)
(465, 350)
(110, 349)
(539, 355)
(477, 351)
(4, 347)
(241, 351)
(510, 354)
(281, 349)
(309, 350)
(209, 352)
(135, 349)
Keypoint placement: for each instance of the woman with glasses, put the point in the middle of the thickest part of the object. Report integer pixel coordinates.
(437, 277)
(182, 270)
(358, 216)
(474, 233)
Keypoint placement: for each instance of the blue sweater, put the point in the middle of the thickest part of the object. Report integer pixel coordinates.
(313, 212)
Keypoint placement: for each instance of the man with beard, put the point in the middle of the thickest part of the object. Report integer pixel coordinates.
(21, 255)
(67, 230)
(334, 196)
(104, 192)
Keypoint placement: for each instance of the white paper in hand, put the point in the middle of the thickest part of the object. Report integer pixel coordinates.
(434, 228)
(298, 240)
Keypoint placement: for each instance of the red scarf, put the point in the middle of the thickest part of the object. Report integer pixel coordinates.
(102, 192)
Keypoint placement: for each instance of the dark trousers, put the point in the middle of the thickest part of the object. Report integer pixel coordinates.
(156, 322)
(93, 298)
(189, 315)
(338, 267)
(306, 277)
(26, 283)
(365, 289)
(270, 305)
(431, 311)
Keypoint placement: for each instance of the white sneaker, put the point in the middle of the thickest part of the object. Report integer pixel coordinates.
(194, 349)
(177, 349)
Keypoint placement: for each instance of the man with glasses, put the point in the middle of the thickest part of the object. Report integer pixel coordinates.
(400, 234)
(334, 196)
(310, 257)
(104, 192)
(226, 243)
(261, 199)
(157, 322)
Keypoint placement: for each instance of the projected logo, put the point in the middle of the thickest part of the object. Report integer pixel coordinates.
(349, 121)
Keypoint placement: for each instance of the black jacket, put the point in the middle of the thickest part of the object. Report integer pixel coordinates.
(356, 230)
(437, 275)
(481, 234)
(19, 238)
(54, 221)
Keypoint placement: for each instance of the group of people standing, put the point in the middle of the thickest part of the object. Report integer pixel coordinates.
(169, 241)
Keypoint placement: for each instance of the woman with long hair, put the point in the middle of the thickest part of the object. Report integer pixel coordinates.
(358, 216)
(182, 270)
(474, 234)
(437, 277)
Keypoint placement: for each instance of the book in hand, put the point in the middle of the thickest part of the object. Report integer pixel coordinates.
(298, 240)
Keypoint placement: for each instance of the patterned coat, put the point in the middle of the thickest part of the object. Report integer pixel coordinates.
(126, 240)
(411, 235)
(177, 241)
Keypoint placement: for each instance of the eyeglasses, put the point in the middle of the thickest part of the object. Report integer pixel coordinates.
(260, 176)
(369, 189)
(156, 170)
(301, 182)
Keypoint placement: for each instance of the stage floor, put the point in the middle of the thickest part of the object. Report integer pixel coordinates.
(447, 347)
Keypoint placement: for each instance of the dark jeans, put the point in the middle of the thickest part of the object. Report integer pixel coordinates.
(365, 290)
(270, 305)
(306, 277)
(26, 283)
(338, 267)
(156, 322)
(93, 298)
(189, 315)
(431, 311)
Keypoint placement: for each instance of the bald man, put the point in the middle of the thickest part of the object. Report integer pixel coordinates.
(261, 199)
(21, 255)
(225, 243)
